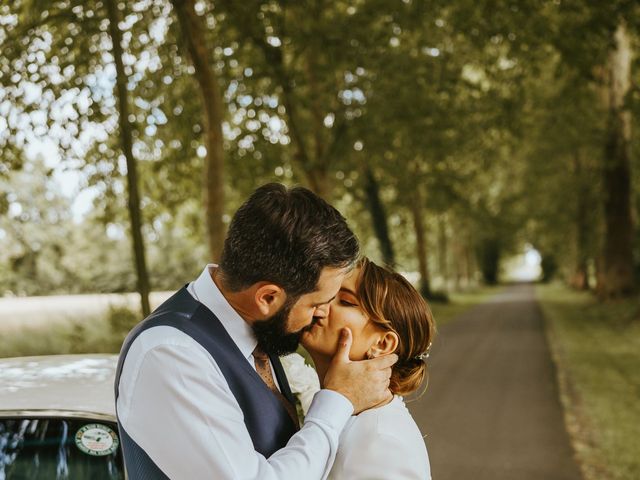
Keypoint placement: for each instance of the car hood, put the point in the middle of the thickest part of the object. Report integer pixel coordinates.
(73, 383)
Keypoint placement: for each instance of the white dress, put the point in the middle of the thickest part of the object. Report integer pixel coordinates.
(382, 444)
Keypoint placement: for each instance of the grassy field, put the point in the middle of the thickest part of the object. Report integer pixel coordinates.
(98, 323)
(68, 323)
(597, 349)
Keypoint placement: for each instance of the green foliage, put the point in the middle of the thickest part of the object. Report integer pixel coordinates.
(121, 319)
(484, 114)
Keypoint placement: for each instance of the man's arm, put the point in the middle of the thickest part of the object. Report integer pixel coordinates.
(175, 404)
(365, 383)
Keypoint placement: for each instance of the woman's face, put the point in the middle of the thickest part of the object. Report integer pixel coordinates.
(345, 311)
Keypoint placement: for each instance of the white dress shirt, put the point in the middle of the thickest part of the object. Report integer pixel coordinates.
(175, 403)
(382, 444)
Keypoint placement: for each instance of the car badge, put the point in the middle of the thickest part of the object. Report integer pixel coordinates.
(97, 439)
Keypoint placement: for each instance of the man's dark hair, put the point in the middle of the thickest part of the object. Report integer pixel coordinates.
(285, 236)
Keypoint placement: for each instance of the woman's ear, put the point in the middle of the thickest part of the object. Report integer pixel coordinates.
(387, 343)
(269, 298)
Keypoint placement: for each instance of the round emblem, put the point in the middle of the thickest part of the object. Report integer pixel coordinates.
(97, 440)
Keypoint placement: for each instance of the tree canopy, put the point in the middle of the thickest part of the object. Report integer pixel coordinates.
(449, 134)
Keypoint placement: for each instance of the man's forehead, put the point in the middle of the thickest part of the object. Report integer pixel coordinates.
(332, 275)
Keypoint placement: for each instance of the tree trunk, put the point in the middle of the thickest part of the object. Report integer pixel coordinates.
(421, 246)
(469, 263)
(378, 216)
(193, 34)
(126, 145)
(457, 259)
(580, 279)
(489, 253)
(443, 263)
(618, 252)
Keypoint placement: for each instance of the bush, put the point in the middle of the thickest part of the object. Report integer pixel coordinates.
(120, 320)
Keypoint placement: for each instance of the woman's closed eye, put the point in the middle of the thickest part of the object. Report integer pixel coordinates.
(347, 303)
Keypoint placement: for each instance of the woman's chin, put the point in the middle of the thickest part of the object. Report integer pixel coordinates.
(306, 340)
(310, 340)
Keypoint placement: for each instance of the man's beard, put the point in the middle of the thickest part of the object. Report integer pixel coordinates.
(272, 333)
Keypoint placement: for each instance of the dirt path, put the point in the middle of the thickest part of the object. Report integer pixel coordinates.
(492, 409)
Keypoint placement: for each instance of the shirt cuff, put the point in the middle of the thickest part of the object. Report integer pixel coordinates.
(330, 408)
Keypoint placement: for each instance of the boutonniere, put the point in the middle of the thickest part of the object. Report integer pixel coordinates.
(303, 381)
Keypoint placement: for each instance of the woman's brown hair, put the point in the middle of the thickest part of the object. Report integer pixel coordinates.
(390, 301)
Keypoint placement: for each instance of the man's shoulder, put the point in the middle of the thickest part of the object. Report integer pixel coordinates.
(164, 345)
(159, 336)
(180, 304)
(165, 325)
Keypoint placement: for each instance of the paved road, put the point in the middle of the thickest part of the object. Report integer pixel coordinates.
(491, 410)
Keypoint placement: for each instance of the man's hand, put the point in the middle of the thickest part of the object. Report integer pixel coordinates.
(365, 383)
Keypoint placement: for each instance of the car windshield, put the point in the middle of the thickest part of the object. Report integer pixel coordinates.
(59, 448)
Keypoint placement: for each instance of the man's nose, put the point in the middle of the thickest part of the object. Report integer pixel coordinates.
(322, 311)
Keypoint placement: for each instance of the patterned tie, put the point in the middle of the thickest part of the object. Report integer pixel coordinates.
(264, 370)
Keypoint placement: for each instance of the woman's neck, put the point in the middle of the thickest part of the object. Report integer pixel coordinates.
(322, 364)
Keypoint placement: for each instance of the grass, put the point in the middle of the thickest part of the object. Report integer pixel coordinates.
(459, 302)
(93, 334)
(596, 347)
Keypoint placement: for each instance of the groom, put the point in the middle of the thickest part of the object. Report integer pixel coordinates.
(200, 392)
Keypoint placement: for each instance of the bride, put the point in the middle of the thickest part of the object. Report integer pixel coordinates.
(385, 314)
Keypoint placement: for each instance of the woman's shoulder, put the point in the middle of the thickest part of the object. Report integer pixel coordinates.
(391, 420)
(386, 439)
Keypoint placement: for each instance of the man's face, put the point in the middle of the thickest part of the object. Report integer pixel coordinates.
(281, 333)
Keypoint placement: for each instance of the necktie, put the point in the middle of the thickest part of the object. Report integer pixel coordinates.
(263, 368)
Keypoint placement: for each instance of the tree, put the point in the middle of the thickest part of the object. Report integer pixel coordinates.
(192, 29)
(618, 275)
(61, 67)
(133, 201)
(599, 50)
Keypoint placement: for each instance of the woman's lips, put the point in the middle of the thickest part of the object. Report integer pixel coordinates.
(314, 322)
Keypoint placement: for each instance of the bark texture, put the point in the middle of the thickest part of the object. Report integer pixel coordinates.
(126, 143)
(421, 246)
(443, 252)
(617, 278)
(580, 277)
(193, 34)
(378, 216)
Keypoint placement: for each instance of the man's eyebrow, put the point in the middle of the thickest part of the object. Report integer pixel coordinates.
(324, 303)
(348, 290)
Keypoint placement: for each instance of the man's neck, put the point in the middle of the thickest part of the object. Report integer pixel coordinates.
(237, 300)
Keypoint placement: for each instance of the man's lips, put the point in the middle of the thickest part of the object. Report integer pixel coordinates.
(315, 321)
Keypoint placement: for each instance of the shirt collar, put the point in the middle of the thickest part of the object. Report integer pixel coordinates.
(208, 293)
